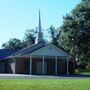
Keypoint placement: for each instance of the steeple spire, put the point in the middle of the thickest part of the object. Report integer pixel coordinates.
(39, 37)
(39, 27)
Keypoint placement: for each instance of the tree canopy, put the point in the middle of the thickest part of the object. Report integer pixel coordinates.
(15, 43)
(85, 0)
(55, 34)
(29, 37)
(75, 33)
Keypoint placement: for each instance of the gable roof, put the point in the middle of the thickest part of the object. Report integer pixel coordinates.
(48, 50)
(29, 49)
(5, 53)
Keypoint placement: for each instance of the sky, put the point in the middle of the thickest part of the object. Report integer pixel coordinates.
(16, 16)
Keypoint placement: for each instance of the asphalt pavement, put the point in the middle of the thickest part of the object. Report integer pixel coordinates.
(28, 77)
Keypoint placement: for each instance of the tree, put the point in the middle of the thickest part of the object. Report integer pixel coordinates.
(29, 37)
(75, 33)
(55, 34)
(13, 44)
(16, 44)
(85, 0)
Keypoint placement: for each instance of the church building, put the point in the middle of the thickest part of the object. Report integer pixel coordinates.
(38, 59)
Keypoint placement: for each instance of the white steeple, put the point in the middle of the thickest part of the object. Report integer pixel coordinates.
(39, 26)
(39, 37)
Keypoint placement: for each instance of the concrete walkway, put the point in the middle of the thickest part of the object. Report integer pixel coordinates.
(28, 77)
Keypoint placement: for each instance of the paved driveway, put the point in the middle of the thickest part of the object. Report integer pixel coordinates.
(19, 76)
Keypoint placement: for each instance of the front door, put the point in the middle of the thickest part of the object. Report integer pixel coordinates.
(39, 68)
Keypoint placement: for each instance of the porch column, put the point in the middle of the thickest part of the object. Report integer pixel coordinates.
(67, 66)
(14, 66)
(43, 66)
(56, 65)
(30, 65)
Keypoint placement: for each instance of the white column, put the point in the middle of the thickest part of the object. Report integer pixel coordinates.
(30, 65)
(56, 65)
(13, 66)
(43, 66)
(67, 66)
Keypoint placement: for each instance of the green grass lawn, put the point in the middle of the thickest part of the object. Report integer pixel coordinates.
(61, 84)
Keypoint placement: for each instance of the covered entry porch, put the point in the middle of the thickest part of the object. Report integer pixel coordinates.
(42, 65)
